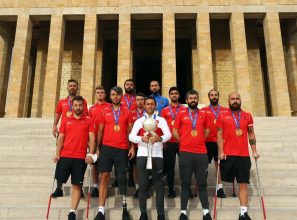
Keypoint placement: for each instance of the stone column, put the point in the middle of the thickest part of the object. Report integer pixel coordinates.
(39, 79)
(240, 60)
(53, 66)
(124, 49)
(5, 58)
(19, 68)
(204, 82)
(89, 57)
(168, 53)
(276, 65)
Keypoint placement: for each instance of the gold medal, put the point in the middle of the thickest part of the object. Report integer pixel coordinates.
(215, 121)
(238, 132)
(194, 133)
(172, 122)
(116, 128)
(69, 113)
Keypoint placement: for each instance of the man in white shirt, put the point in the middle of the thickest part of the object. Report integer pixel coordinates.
(139, 136)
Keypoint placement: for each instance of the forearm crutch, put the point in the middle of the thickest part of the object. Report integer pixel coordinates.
(260, 192)
(50, 200)
(89, 191)
(216, 193)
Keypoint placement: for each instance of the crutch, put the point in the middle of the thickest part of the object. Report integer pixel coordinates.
(216, 193)
(233, 187)
(89, 191)
(50, 200)
(260, 192)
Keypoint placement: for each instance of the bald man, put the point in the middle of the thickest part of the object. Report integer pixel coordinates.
(235, 128)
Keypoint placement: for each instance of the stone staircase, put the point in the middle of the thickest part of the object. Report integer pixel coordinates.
(26, 176)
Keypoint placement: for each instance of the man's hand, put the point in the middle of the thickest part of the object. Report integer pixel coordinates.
(131, 153)
(55, 131)
(222, 156)
(154, 139)
(256, 155)
(56, 158)
(145, 139)
(89, 160)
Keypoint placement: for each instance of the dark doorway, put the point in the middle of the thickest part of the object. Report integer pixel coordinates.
(184, 67)
(147, 63)
(109, 63)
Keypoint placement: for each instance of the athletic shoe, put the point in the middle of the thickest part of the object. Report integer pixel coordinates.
(183, 217)
(125, 215)
(71, 216)
(135, 195)
(207, 217)
(161, 217)
(115, 184)
(82, 195)
(221, 193)
(58, 193)
(244, 217)
(100, 216)
(95, 193)
(143, 216)
(171, 194)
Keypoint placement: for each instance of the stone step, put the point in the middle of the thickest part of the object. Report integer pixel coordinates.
(270, 201)
(7, 190)
(38, 213)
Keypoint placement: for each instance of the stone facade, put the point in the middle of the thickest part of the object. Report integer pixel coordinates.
(248, 46)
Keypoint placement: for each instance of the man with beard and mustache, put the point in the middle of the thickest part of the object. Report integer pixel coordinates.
(64, 109)
(75, 134)
(213, 111)
(235, 127)
(171, 150)
(128, 99)
(190, 129)
(115, 123)
(162, 102)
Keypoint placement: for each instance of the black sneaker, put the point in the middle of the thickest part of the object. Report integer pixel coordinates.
(125, 215)
(143, 216)
(115, 184)
(183, 217)
(58, 193)
(71, 216)
(171, 194)
(244, 217)
(82, 195)
(99, 216)
(135, 195)
(207, 217)
(95, 193)
(221, 193)
(161, 217)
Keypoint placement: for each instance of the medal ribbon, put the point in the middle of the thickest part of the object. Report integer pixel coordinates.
(194, 121)
(216, 113)
(116, 115)
(69, 104)
(237, 122)
(138, 113)
(154, 115)
(128, 102)
(171, 112)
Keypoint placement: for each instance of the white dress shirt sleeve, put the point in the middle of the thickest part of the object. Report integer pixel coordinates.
(133, 136)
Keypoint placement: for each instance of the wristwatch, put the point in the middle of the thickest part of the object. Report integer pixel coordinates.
(161, 139)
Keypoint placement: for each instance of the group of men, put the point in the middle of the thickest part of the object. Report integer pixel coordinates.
(114, 133)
